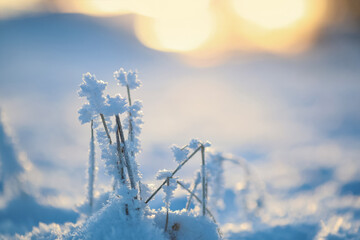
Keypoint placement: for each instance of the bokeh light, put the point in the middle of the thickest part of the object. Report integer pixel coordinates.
(175, 33)
(207, 31)
(270, 14)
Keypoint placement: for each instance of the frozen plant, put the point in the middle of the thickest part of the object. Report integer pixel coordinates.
(123, 212)
(133, 122)
(119, 151)
(100, 108)
(168, 189)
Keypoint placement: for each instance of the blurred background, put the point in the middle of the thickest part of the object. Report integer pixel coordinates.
(275, 82)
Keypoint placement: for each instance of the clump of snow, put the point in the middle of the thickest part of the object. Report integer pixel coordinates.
(169, 187)
(92, 89)
(194, 143)
(114, 105)
(133, 122)
(207, 144)
(129, 79)
(85, 114)
(180, 154)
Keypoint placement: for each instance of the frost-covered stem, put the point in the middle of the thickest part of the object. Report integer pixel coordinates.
(105, 126)
(91, 168)
(128, 92)
(126, 153)
(197, 198)
(173, 173)
(139, 183)
(191, 195)
(184, 147)
(131, 132)
(119, 164)
(167, 207)
(203, 172)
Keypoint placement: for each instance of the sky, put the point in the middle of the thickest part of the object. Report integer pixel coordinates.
(290, 108)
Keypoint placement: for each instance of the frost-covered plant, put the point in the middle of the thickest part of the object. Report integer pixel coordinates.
(100, 108)
(168, 189)
(134, 119)
(119, 152)
(123, 213)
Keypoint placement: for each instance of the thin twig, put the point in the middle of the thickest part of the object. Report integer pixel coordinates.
(173, 173)
(191, 195)
(198, 199)
(126, 153)
(128, 92)
(167, 208)
(203, 179)
(106, 128)
(131, 132)
(91, 167)
(119, 163)
(184, 147)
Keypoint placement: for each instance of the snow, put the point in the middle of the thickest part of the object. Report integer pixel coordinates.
(111, 222)
(179, 153)
(114, 105)
(248, 106)
(92, 89)
(185, 226)
(194, 143)
(129, 79)
(169, 187)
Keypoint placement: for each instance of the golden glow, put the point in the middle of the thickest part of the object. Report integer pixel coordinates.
(272, 14)
(291, 38)
(94, 7)
(207, 32)
(174, 33)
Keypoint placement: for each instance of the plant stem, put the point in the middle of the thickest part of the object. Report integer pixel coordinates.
(191, 195)
(140, 190)
(126, 153)
(167, 207)
(128, 92)
(119, 163)
(173, 173)
(131, 132)
(106, 128)
(203, 179)
(91, 168)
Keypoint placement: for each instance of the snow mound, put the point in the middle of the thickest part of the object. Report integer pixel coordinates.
(184, 225)
(111, 223)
